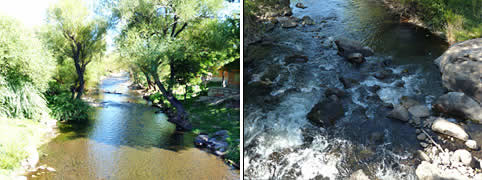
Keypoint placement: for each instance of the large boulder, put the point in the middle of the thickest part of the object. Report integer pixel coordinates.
(461, 68)
(326, 112)
(347, 48)
(460, 105)
(443, 126)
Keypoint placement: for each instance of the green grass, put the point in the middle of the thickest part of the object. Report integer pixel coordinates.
(15, 136)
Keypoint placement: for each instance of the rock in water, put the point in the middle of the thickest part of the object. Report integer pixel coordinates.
(443, 126)
(419, 111)
(356, 58)
(326, 113)
(307, 20)
(461, 68)
(359, 175)
(347, 47)
(426, 171)
(288, 22)
(296, 59)
(423, 156)
(300, 5)
(460, 105)
(399, 113)
(201, 140)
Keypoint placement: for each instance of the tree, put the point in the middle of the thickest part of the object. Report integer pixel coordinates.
(75, 34)
(151, 37)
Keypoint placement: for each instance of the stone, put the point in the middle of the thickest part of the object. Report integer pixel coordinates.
(399, 113)
(347, 46)
(383, 74)
(326, 112)
(443, 126)
(426, 171)
(418, 131)
(350, 80)
(295, 59)
(460, 105)
(306, 20)
(359, 175)
(201, 140)
(461, 68)
(300, 5)
(471, 144)
(423, 156)
(374, 88)
(334, 91)
(421, 137)
(355, 58)
(461, 156)
(423, 144)
(408, 102)
(287, 22)
(419, 111)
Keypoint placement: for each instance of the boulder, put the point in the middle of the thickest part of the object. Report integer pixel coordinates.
(461, 68)
(355, 58)
(383, 74)
(350, 80)
(326, 112)
(426, 171)
(459, 105)
(408, 102)
(295, 59)
(419, 111)
(217, 145)
(347, 47)
(399, 113)
(359, 175)
(307, 20)
(443, 126)
(334, 91)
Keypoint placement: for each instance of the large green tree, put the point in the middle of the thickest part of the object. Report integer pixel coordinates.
(76, 34)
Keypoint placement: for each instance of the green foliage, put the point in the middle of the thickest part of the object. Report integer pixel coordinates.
(64, 108)
(25, 69)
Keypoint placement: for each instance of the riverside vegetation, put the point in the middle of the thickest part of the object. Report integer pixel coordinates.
(48, 73)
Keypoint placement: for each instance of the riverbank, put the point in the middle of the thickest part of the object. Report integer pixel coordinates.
(454, 21)
(19, 143)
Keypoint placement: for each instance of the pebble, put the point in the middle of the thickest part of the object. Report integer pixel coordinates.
(418, 131)
(421, 137)
(471, 144)
(423, 144)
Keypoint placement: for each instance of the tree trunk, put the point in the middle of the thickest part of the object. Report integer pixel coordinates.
(185, 91)
(80, 75)
(80, 90)
(148, 79)
(181, 118)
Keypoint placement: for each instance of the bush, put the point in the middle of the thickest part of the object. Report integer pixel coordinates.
(64, 108)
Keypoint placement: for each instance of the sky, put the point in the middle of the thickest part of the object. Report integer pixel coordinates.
(29, 12)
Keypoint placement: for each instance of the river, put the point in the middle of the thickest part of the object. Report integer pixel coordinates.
(281, 143)
(127, 139)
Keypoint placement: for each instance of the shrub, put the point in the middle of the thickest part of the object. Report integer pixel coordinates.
(64, 108)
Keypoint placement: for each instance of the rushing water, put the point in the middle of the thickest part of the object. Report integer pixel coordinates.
(128, 140)
(279, 140)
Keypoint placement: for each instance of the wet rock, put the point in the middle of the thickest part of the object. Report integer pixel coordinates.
(471, 144)
(300, 5)
(399, 113)
(443, 126)
(359, 175)
(419, 111)
(374, 88)
(423, 156)
(334, 91)
(201, 140)
(326, 112)
(408, 102)
(383, 74)
(421, 137)
(296, 59)
(461, 156)
(307, 20)
(377, 137)
(347, 47)
(461, 68)
(288, 22)
(217, 145)
(350, 80)
(355, 58)
(459, 105)
(400, 84)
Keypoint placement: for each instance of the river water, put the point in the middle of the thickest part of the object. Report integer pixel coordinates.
(280, 143)
(127, 139)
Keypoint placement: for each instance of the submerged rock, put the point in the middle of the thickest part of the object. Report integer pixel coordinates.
(461, 68)
(326, 112)
(356, 58)
(399, 113)
(443, 126)
(307, 20)
(459, 105)
(296, 59)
